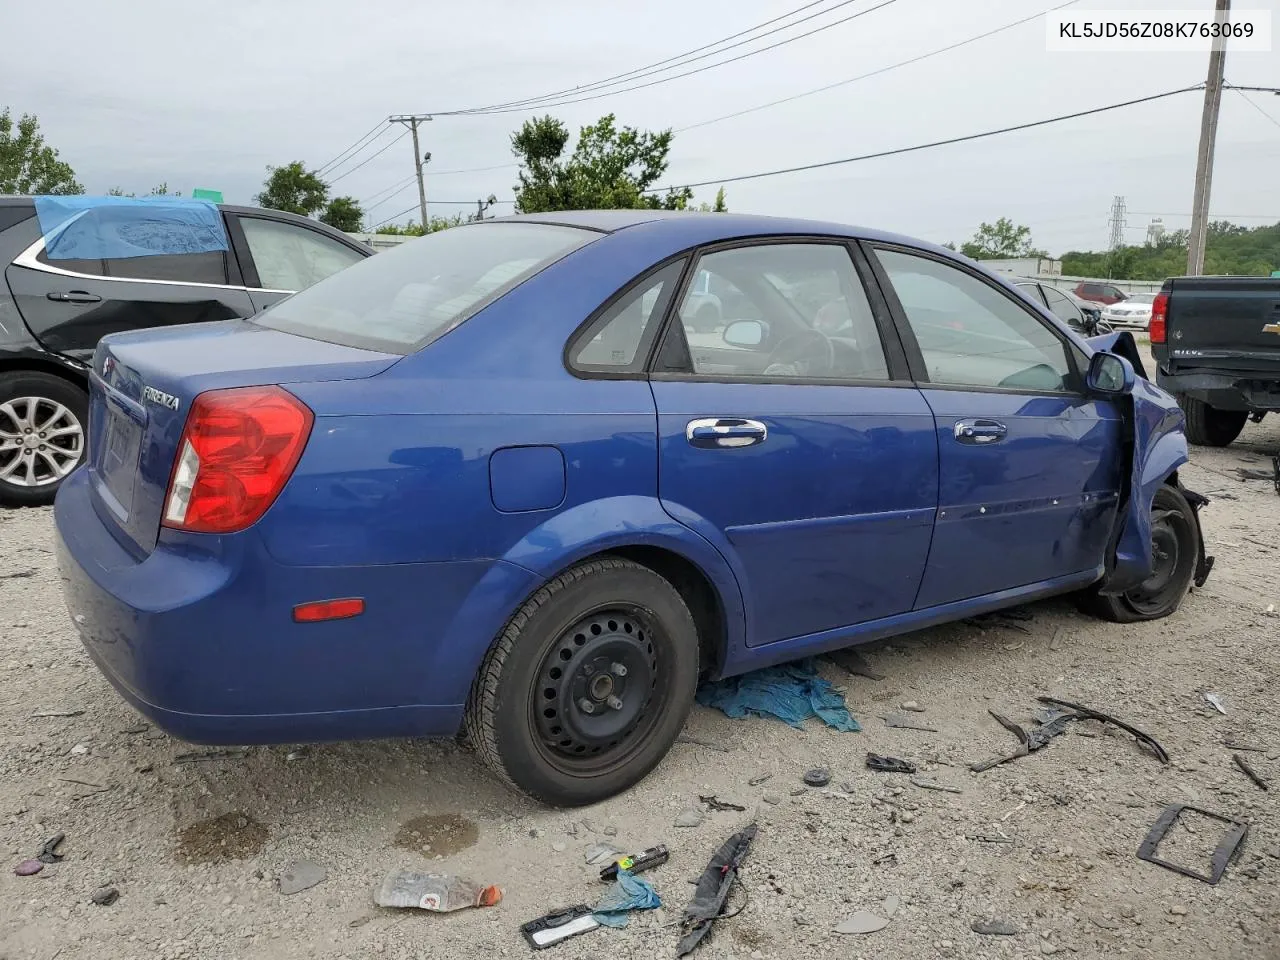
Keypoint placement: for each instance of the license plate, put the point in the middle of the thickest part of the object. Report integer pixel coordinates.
(120, 457)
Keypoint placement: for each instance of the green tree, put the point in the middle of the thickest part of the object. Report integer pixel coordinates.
(718, 207)
(414, 229)
(343, 213)
(1229, 249)
(27, 165)
(293, 188)
(1000, 240)
(161, 191)
(611, 168)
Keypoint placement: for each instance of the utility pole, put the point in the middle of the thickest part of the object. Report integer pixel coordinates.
(419, 159)
(1204, 157)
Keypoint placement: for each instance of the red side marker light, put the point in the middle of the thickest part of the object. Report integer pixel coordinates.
(328, 610)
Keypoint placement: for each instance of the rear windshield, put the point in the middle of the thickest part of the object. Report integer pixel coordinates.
(401, 300)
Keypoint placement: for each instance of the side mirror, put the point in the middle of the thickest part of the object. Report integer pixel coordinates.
(744, 333)
(1110, 376)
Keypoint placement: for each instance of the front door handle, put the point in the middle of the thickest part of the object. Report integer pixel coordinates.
(979, 432)
(75, 296)
(713, 432)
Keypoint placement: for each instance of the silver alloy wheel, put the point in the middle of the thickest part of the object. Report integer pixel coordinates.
(41, 441)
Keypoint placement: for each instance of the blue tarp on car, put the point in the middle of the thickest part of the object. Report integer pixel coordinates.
(117, 228)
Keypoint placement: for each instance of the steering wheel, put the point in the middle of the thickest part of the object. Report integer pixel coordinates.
(808, 353)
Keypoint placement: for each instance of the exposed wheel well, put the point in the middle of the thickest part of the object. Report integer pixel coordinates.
(35, 365)
(698, 593)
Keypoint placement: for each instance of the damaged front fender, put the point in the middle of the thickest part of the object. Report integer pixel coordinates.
(1158, 447)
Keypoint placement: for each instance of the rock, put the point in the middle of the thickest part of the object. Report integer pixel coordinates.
(301, 875)
(1048, 949)
(535, 833)
(1127, 911)
(689, 818)
(106, 896)
(559, 847)
(912, 706)
(862, 922)
(79, 750)
(995, 928)
(611, 831)
(772, 799)
(1178, 910)
(907, 816)
(28, 868)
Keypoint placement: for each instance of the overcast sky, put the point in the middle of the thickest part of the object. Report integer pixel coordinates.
(144, 91)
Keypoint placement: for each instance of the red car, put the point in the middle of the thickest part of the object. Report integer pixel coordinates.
(1104, 293)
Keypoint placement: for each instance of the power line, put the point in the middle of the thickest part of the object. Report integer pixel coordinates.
(389, 191)
(676, 76)
(874, 73)
(368, 208)
(927, 146)
(1249, 100)
(1220, 216)
(451, 203)
(671, 63)
(501, 166)
(346, 154)
(387, 146)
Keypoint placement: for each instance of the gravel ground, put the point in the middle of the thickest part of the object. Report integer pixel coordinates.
(195, 849)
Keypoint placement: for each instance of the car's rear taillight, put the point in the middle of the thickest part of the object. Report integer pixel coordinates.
(238, 450)
(1158, 327)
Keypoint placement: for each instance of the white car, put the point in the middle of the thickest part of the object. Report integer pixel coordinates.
(1134, 313)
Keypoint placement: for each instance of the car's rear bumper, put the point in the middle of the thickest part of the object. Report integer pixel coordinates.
(199, 636)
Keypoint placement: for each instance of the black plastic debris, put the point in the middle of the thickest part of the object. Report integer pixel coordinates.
(1053, 723)
(49, 851)
(817, 777)
(889, 764)
(719, 806)
(712, 891)
(1249, 772)
(1227, 850)
(851, 661)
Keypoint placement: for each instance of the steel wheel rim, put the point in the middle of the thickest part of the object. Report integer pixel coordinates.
(41, 441)
(581, 666)
(1169, 536)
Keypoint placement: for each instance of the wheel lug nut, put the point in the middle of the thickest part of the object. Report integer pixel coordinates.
(618, 670)
(586, 706)
(588, 670)
(614, 702)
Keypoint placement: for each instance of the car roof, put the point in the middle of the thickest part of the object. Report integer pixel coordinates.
(699, 227)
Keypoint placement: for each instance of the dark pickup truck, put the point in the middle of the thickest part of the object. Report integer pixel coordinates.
(1216, 342)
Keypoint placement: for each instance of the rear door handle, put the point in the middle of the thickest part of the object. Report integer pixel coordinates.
(979, 432)
(75, 296)
(713, 432)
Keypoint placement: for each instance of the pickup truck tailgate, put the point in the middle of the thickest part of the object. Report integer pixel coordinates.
(1234, 322)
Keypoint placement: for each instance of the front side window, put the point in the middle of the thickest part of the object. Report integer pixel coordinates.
(786, 311)
(401, 300)
(289, 257)
(612, 344)
(971, 334)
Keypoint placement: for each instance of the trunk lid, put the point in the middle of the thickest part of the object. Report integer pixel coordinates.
(1225, 323)
(142, 387)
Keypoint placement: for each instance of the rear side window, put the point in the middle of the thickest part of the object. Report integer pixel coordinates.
(401, 300)
(612, 343)
(289, 257)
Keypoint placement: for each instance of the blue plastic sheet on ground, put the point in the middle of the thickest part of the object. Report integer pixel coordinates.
(792, 692)
(628, 893)
(118, 228)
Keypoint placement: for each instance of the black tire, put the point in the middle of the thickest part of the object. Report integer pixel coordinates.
(1207, 427)
(1176, 547)
(547, 661)
(706, 319)
(28, 399)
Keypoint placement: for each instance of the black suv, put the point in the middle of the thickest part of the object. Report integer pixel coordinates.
(54, 311)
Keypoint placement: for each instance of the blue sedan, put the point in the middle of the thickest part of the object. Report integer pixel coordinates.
(499, 480)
